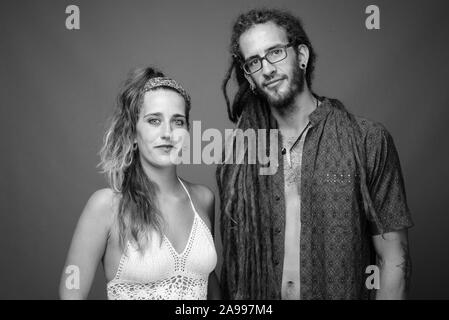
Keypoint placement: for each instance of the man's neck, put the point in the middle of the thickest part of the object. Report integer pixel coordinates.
(294, 119)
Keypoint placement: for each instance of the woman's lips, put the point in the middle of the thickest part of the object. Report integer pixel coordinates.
(165, 147)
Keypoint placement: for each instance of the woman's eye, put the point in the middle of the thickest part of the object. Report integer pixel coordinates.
(154, 122)
(179, 122)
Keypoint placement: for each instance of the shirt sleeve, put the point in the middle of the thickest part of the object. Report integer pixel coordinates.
(385, 182)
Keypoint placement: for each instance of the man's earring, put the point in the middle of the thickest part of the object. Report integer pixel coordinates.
(303, 66)
(134, 146)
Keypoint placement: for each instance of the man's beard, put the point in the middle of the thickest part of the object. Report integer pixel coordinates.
(283, 103)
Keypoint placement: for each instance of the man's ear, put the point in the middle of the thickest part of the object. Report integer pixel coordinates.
(250, 80)
(303, 56)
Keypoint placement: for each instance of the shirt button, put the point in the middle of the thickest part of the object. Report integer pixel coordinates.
(277, 198)
(276, 262)
(278, 230)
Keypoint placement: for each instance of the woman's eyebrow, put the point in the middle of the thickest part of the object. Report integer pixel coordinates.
(153, 114)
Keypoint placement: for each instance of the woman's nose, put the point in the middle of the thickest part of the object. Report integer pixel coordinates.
(167, 131)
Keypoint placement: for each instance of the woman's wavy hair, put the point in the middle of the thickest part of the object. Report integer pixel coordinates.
(138, 211)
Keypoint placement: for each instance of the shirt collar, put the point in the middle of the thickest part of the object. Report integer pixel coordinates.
(321, 111)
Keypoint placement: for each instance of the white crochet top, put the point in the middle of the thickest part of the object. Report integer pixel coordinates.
(161, 273)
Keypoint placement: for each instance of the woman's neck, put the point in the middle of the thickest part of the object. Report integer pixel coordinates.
(166, 178)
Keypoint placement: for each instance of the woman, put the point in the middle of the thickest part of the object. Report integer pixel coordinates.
(151, 230)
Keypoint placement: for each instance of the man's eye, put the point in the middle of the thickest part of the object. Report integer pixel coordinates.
(154, 122)
(276, 52)
(253, 62)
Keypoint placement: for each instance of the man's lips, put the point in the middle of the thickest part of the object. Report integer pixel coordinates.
(273, 82)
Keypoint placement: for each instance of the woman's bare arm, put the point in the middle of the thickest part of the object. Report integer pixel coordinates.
(88, 246)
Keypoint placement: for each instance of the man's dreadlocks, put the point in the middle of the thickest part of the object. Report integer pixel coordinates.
(246, 210)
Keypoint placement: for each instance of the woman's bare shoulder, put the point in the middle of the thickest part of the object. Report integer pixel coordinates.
(204, 200)
(202, 194)
(102, 206)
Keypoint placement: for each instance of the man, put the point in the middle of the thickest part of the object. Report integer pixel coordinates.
(337, 200)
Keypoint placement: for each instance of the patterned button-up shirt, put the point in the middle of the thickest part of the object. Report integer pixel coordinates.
(336, 234)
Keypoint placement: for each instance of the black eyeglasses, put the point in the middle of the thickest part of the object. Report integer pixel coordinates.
(274, 55)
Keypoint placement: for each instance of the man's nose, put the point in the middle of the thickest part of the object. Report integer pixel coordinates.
(268, 69)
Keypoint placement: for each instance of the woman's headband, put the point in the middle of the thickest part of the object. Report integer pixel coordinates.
(168, 83)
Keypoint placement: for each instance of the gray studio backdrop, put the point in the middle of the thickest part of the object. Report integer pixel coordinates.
(58, 88)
